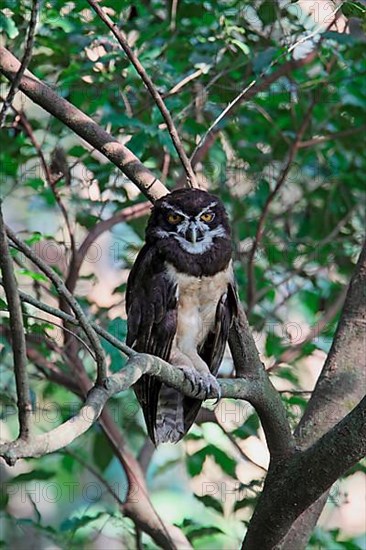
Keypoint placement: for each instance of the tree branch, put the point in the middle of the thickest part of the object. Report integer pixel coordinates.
(331, 137)
(25, 61)
(128, 213)
(267, 400)
(340, 388)
(255, 87)
(291, 487)
(137, 365)
(48, 176)
(61, 288)
(292, 353)
(84, 127)
(27, 298)
(122, 40)
(17, 335)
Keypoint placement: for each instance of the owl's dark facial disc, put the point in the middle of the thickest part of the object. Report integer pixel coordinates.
(193, 218)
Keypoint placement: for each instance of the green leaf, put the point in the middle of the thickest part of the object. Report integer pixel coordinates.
(3, 305)
(102, 452)
(195, 462)
(7, 24)
(86, 219)
(353, 9)
(34, 474)
(33, 275)
(75, 523)
(211, 502)
(250, 427)
(199, 532)
(267, 12)
(117, 328)
(241, 45)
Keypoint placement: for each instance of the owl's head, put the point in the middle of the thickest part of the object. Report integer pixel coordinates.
(191, 218)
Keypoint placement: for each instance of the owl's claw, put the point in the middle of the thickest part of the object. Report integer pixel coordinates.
(205, 384)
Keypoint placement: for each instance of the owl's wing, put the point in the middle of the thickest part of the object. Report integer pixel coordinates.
(151, 303)
(213, 348)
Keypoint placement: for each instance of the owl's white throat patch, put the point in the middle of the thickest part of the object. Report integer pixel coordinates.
(199, 247)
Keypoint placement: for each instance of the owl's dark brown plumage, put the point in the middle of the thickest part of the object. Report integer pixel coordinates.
(180, 303)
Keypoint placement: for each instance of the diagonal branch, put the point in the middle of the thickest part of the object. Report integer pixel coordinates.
(137, 365)
(267, 400)
(61, 288)
(24, 64)
(84, 127)
(51, 182)
(78, 256)
(332, 136)
(292, 353)
(122, 40)
(17, 335)
(250, 91)
(340, 388)
(293, 486)
(27, 298)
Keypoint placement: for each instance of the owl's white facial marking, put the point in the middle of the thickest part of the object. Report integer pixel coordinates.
(198, 247)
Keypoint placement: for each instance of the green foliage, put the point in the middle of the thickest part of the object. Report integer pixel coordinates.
(312, 231)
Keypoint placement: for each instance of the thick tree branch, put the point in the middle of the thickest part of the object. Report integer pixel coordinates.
(267, 401)
(61, 288)
(122, 40)
(84, 127)
(17, 335)
(25, 61)
(339, 389)
(341, 383)
(291, 487)
(137, 365)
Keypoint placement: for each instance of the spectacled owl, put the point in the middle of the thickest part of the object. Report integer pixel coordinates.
(180, 303)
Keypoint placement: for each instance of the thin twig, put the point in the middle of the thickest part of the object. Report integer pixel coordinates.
(51, 371)
(184, 82)
(281, 180)
(331, 137)
(24, 64)
(122, 40)
(50, 179)
(295, 351)
(27, 298)
(63, 291)
(263, 82)
(17, 335)
(128, 213)
(314, 254)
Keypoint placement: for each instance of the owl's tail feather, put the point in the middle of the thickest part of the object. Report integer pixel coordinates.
(170, 416)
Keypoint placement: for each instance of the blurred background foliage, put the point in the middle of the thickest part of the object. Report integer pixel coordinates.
(200, 57)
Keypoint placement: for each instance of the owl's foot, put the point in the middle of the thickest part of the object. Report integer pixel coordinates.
(204, 384)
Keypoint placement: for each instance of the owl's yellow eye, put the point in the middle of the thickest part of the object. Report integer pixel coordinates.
(174, 218)
(207, 217)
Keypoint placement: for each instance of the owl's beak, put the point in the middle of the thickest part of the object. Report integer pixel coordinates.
(192, 234)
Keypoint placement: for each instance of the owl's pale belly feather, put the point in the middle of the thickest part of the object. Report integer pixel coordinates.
(197, 303)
